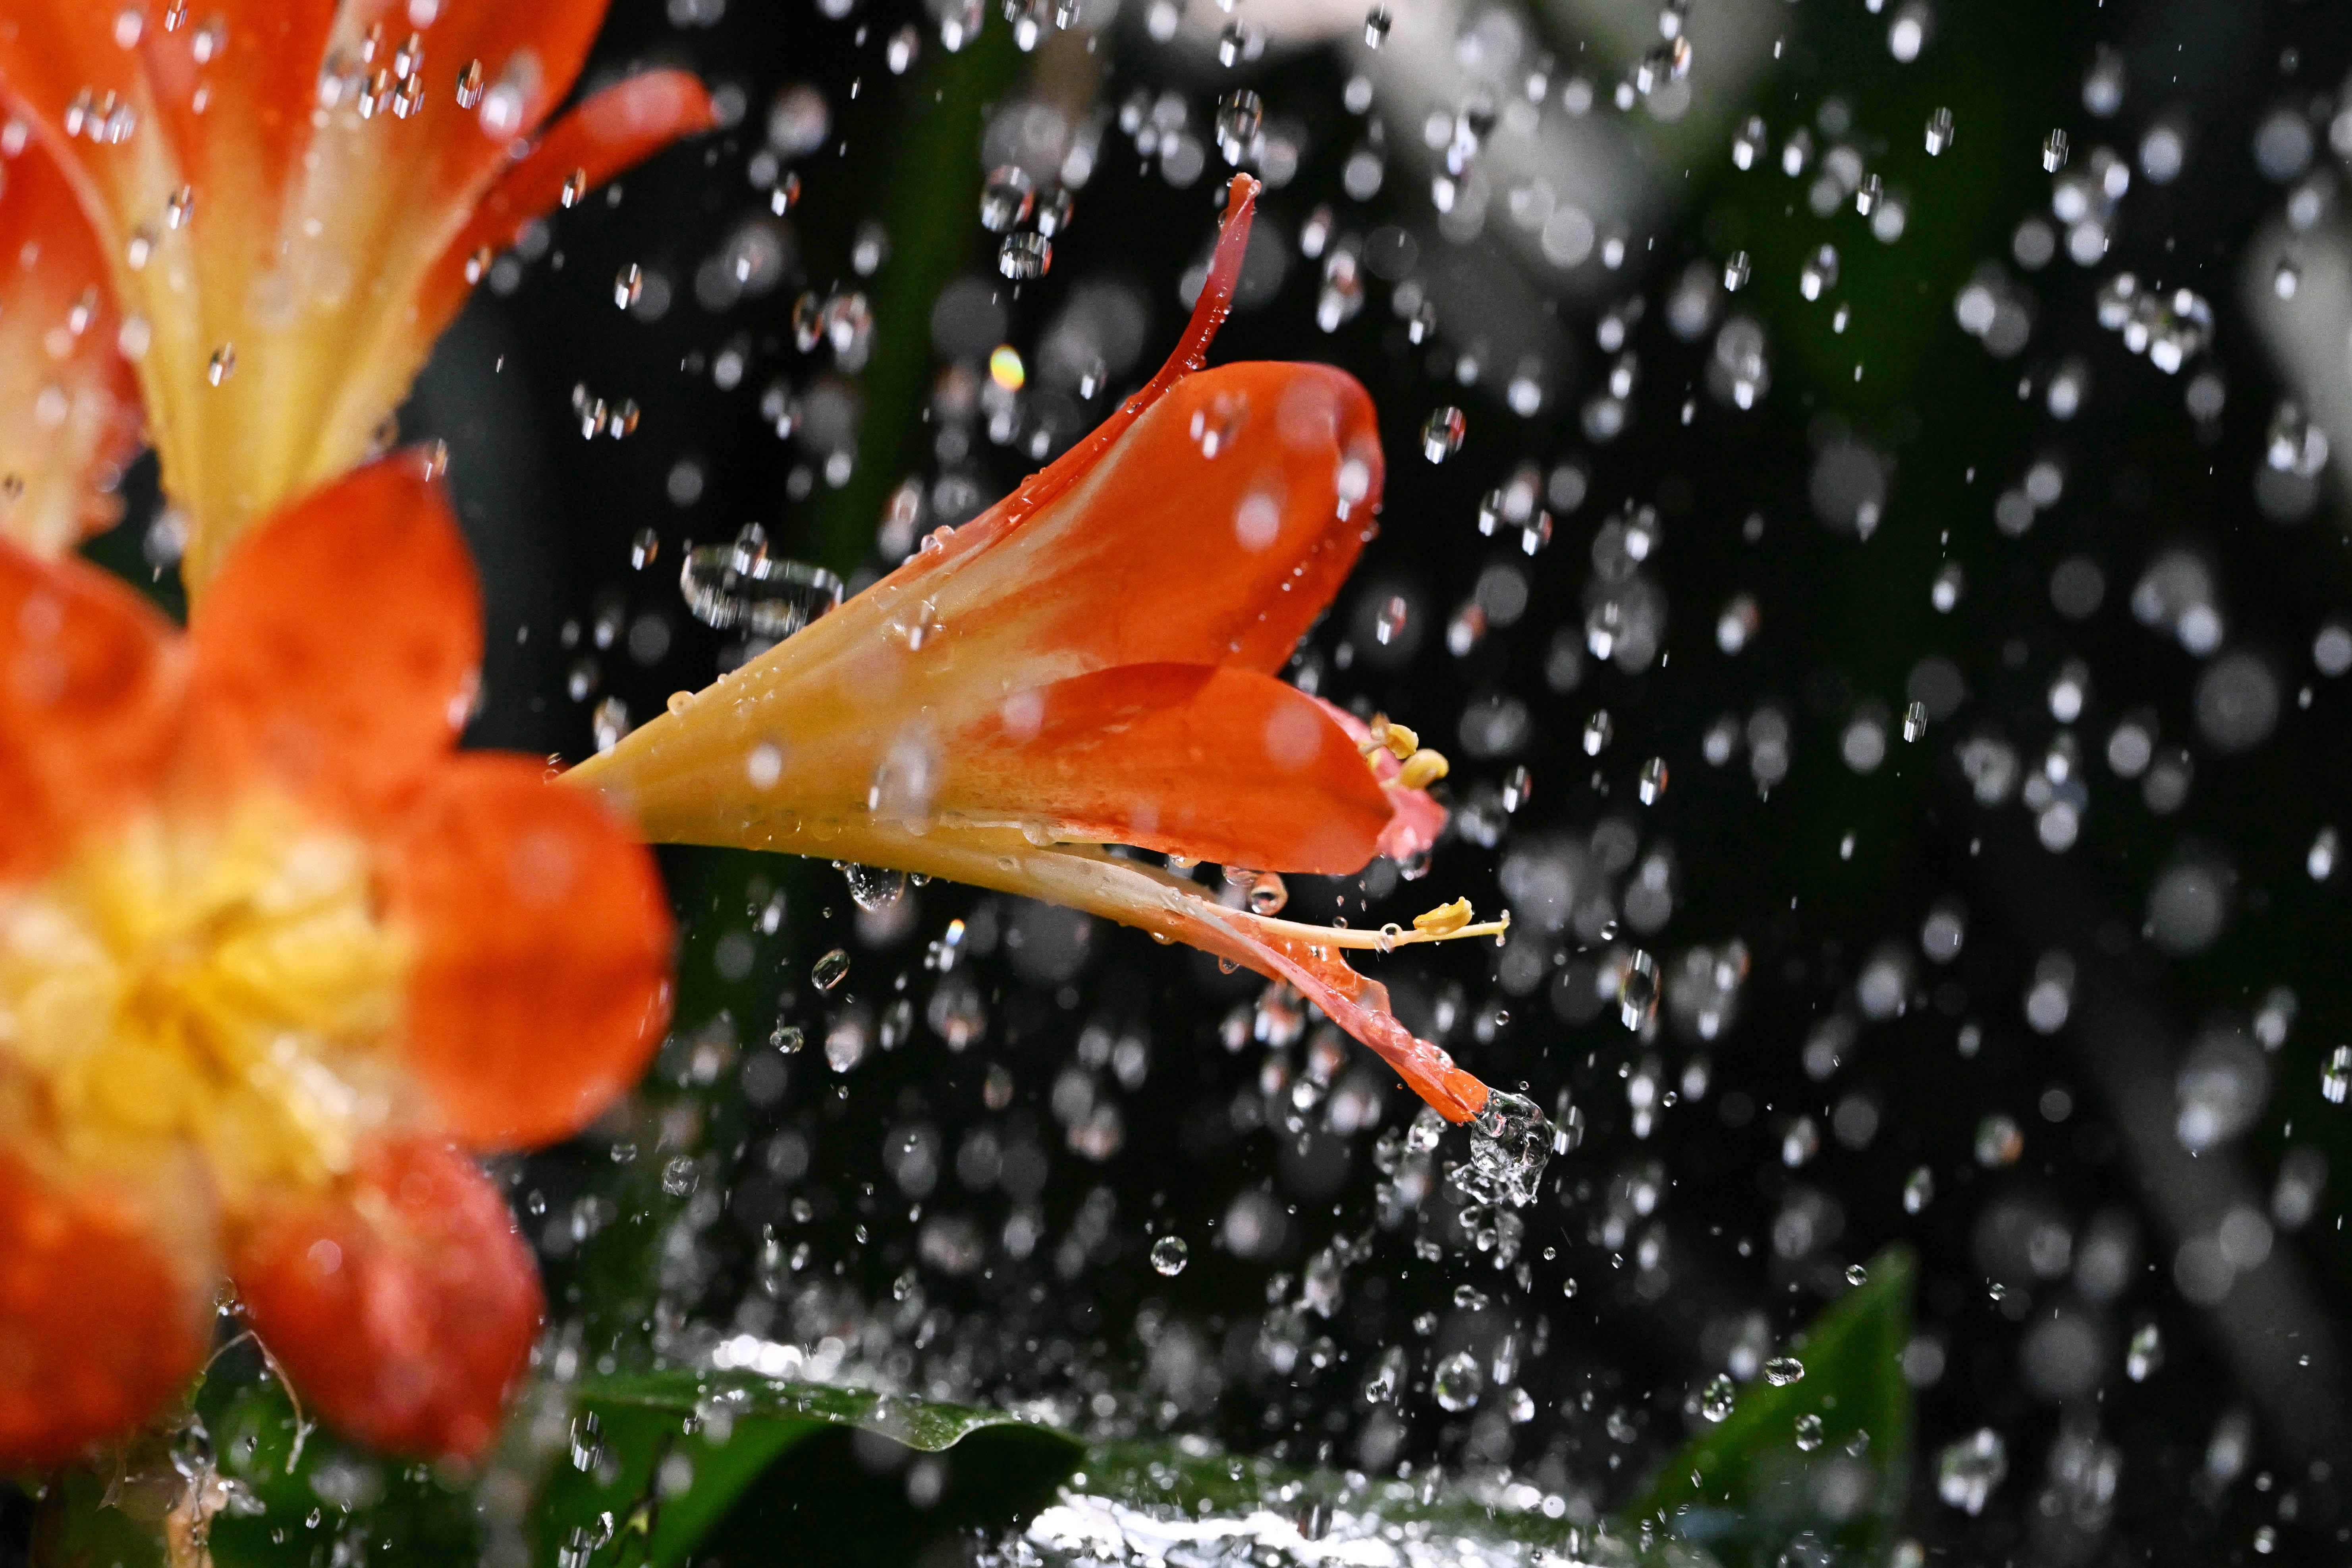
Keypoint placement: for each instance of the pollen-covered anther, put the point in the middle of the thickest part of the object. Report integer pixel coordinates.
(1422, 769)
(1445, 920)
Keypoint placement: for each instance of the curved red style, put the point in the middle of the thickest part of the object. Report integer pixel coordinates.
(269, 949)
(293, 196)
(1093, 662)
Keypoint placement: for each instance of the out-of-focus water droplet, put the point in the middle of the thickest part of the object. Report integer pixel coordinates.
(1868, 194)
(176, 211)
(902, 48)
(2326, 850)
(1441, 433)
(575, 185)
(872, 888)
(2000, 1140)
(1748, 145)
(644, 548)
(2335, 1078)
(1809, 1432)
(1168, 1256)
(469, 85)
(1458, 1382)
(1233, 42)
(2145, 1354)
(2286, 278)
(829, 971)
(741, 585)
(1240, 113)
(1734, 272)
(1637, 990)
(629, 286)
(1717, 1399)
(1856, 1275)
(1518, 788)
(1391, 619)
(2053, 152)
(1597, 730)
(587, 1443)
(221, 365)
(1653, 781)
(680, 1176)
(1376, 26)
(1055, 209)
(1968, 1471)
(1939, 133)
(1918, 1190)
(1820, 273)
(1007, 198)
(1915, 721)
(788, 1038)
(1783, 1370)
(1025, 255)
(1946, 591)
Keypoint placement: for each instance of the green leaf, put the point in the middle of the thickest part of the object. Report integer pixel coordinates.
(660, 1460)
(1746, 1488)
(75, 1527)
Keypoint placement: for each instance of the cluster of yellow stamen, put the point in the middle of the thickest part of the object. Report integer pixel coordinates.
(1423, 766)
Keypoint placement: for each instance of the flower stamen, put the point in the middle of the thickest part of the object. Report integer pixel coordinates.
(1450, 923)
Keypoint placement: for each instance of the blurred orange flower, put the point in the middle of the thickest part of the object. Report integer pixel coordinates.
(268, 948)
(68, 403)
(294, 196)
(1093, 662)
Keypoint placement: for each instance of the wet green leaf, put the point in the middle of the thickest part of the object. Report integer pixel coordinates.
(659, 1461)
(1747, 1487)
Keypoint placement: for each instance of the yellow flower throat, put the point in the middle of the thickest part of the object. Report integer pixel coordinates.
(226, 985)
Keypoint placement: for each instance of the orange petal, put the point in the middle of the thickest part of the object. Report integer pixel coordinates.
(97, 1329)
(68, 402)
(612, 131)
(540, 983)
(89, 694)
(403, 1308)
(1216, 765)
(338, 649)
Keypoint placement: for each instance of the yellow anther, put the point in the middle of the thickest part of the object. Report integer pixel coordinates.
(1423, 769)
(1402, 741)
(1446, 918)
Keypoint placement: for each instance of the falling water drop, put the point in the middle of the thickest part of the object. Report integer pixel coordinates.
(629, 286)
(1376, 26)
(1168, 1256)
(829, 971)
(1783, 1370)
(1441, 433)
(2053, 152)
(1025, 255)
(1939, 133)
(223, 365)
(1007, 198)
(1715, 1400)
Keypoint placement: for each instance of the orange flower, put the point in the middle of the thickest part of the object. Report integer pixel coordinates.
(68, 404)
(1092, 662)
(294, 195)
(267, 949)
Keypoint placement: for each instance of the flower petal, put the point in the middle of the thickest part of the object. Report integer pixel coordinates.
(540, 983)
(97, 1329)
(404, 1308)
(338, 649)
(617, 128)
(1216, 765)
(89, 699)
(68, 403)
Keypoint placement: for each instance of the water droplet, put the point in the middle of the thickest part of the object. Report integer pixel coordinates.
(1783, 1370)
(1637, 990)
(1267, 895)
(1748, 145)
(1510, 1143)
(1915, 721)
(1734, 272)
(1441, 434)
(1717, 1399)
(1809, 1432)
(223, 365)
(2287, 278)
(787, 1038)
(1054, 210)
(1235, 43)
(1168, 1256)
(1006, 199)
(2145, 1354)
(829, 971)
(1939, 133)
(644, 548)
(575, 185)
(2000, 1140)
(1518, 788)
(1654, 780)
(1820, 273)
(2053, 152)
(469, 85)
(1376, 26)
(629, 287)
(1599, 727)
(1918, 1190)
(741, 585)
(1025, 255)
(1239, 115)
(1968, 1471)
(1868, 194)
(872, 888)
(1458, 1382)
(1856, 1275)
(2335, 1078)
(177, 210)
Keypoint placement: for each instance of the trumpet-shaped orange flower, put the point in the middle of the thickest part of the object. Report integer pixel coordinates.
(69, 403)
(270, 956)
(1091, 663)
(295, 196)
